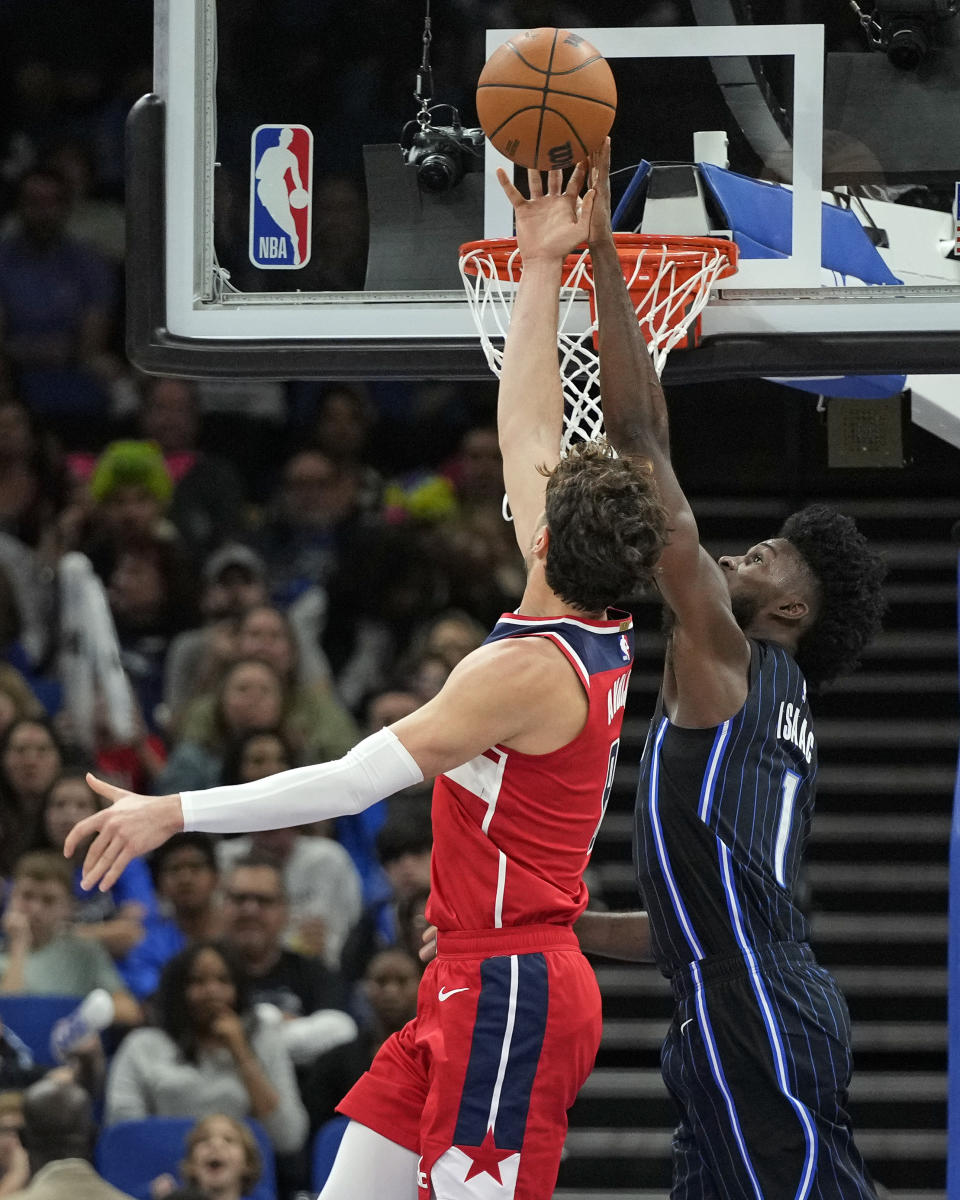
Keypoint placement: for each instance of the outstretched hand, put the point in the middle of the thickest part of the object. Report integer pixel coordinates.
(600, 219)
(550, 224)
(132, 826)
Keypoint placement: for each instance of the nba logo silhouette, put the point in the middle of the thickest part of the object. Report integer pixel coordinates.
(281, 197)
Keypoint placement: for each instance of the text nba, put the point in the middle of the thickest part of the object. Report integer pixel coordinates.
(273, 248)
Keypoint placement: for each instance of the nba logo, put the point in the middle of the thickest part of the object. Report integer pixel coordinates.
(281, 169)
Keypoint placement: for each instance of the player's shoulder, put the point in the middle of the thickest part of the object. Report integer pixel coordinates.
(527, 659)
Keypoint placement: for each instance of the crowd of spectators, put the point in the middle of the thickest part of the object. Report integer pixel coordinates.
(266, 573)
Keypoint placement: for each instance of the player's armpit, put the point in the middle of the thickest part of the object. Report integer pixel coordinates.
(625, 936)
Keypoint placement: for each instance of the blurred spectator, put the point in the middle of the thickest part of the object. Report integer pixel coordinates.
(222, 1163)
(427, 676)
(16, 699)
(257, 754)
(122, 920)
(31, 758)
(404, 846)
(42, 954)
(452, 635)
(128, 498)
(485, 573)
(251, 696)
(33, 483)
(26, 643)
(318, 725)
(234, 580)
(93, 218)
(342, 429)
(152, 599)
(379, 592)
(248, 416)
(59, 1133)
(321, 882)
(58, 300)
(255, 916)
(14, 1164)
(476, 471)
(133, 762)
(383, 708)
(308, 523)
(357, 832)
(436, 648)
(210, 1053)
(389, 991)
(187, 883)
(208, 504)
(322, 887)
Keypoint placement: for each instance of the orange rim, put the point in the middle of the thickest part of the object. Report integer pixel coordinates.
(634, 249)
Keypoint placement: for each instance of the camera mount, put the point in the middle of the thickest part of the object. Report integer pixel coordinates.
(905, 29)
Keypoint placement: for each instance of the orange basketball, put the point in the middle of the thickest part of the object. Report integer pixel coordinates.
(546, 99)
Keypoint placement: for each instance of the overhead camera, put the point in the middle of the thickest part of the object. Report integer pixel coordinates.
(442, 154)
(908, 28)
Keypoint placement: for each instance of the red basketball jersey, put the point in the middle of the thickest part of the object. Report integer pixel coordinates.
(513, 832)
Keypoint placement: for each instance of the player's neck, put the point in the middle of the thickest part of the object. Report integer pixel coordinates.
(538, 600)
(765, 629)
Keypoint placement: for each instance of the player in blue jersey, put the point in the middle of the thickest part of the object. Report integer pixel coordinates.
(758, 1055)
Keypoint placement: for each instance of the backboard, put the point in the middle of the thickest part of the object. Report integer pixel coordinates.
(847, 111)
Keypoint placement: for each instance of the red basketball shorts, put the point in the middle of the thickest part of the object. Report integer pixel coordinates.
(479, 1083)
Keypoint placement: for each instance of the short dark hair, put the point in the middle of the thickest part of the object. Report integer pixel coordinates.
(607, 526)
(850, 576)
(198, 841)
(257, 860)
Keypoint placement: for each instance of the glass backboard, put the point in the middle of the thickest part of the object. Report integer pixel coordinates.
(836, 121)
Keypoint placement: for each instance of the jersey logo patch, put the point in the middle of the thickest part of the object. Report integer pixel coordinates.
(624, 647)
(443, 994)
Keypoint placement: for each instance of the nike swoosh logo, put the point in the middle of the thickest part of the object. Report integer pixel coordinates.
(688, 1021)
(443, 994)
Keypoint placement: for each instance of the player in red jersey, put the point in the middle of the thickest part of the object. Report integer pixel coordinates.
(470, 1098)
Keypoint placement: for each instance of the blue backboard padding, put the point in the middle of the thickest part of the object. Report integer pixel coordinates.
(628, 197)
(761, 214)
(858, 387)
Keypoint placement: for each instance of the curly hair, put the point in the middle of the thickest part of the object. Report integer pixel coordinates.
(607, 526)
(850, 576)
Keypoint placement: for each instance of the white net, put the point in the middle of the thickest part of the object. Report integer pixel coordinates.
(669, 290)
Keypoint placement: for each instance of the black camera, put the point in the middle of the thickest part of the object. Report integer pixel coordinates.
(442, 154)
(909, 26)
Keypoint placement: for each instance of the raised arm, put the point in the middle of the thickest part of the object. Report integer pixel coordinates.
(635, 419)
(530, 401)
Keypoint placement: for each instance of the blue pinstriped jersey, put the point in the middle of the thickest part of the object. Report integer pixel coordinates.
(722, 817)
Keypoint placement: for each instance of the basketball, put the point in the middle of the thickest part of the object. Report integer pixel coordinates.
(299, 198)
(546, 99)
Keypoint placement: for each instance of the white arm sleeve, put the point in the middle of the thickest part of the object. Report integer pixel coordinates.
(375, 768)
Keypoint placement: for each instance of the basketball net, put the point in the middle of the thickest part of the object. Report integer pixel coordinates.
(669, 280)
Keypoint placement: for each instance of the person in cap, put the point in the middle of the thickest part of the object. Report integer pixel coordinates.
(233, 581)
